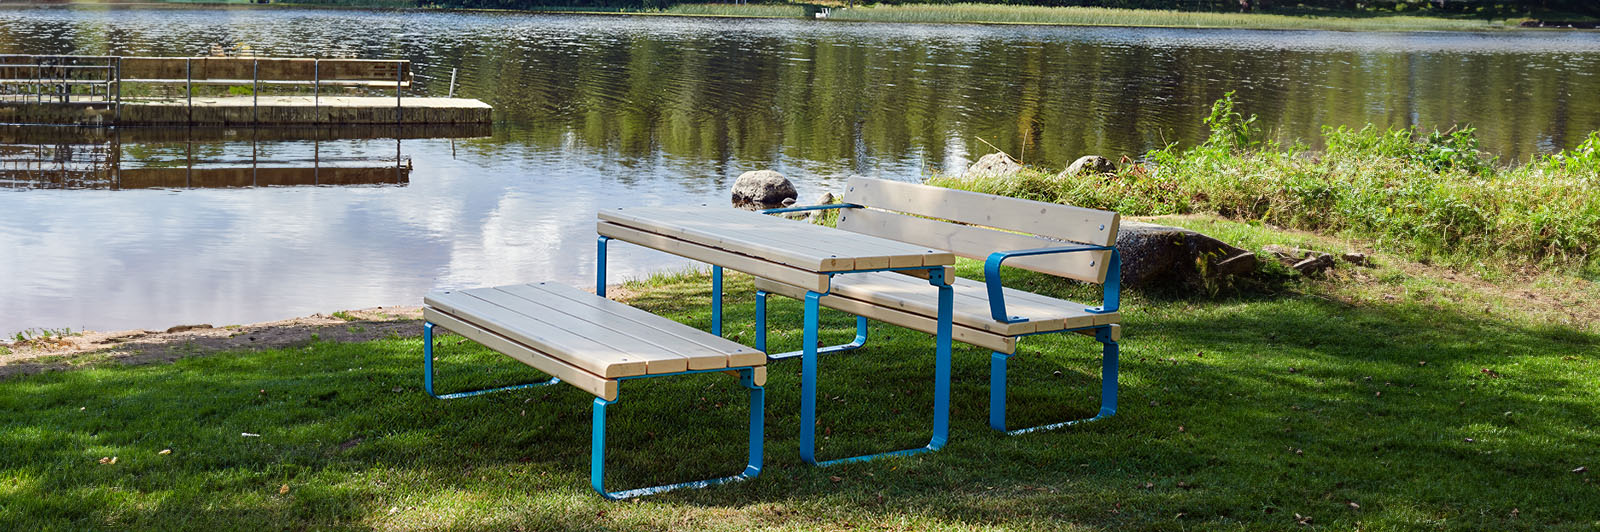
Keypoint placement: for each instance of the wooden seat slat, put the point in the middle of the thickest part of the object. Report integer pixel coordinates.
(958, 332)
(631, 342)
(601, 387)
(554, 339)
(970, 304)
(704, 351)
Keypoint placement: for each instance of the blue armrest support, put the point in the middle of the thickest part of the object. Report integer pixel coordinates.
(811, 208)
(997, 303)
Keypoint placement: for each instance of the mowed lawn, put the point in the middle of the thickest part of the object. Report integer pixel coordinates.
(1278, 408)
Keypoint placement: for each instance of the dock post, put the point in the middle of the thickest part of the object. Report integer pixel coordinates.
(255, 91)
(399, 77)
(119, 100)
(316, 86)
(452, 83)
(188, 85)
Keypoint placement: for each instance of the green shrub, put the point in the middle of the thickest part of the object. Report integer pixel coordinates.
(1434, 195)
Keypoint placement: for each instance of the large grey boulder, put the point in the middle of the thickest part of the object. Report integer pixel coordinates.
(993, 165)
(1154, 254)
(763, 189)
(1089, 164)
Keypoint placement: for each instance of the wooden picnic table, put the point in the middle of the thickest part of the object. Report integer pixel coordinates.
(797, 253)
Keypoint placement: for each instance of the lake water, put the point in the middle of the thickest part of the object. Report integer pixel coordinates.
(602, 111)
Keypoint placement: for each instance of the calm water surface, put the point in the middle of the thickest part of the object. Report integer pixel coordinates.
(593, 112)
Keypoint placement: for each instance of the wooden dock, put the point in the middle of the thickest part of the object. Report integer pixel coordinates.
(100, 91)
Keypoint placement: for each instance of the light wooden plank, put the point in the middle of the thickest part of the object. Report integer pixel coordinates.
(790, 242)
(657, 359)
(970, 303)
(960, 333)
(589, 382)
(704, 350)
(1053, 220)
(726, 259)
(977, 243)
(710, 228)
(591, 356)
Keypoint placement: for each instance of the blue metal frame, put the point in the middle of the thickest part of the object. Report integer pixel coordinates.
(1112, 293)
(761, 333)
(941, 378)
(1108, 384)
(597, 441)
(427, 372)
(809, 351)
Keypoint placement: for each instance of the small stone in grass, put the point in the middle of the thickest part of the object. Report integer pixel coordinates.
(283, 489)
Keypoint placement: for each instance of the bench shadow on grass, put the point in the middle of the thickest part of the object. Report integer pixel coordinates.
(1239, 411)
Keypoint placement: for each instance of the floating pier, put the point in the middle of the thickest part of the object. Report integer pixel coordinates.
(221, 91)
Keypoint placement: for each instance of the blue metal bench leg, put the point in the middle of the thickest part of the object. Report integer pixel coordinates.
(597, 447)
(1108, 387)
(600, 266)
(427, 372)
(716, 300)
(761, 333)
(941, 387)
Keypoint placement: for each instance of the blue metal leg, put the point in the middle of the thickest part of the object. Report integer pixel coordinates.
(597, 447)
(761, 320)
(427, 372)
(600, 266)
(1108, 387)
(716, 300)
(941, 385)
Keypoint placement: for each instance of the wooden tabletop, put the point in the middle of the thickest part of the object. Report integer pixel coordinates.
(762, 244)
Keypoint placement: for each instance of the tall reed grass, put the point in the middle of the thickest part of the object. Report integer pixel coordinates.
(1433, 195)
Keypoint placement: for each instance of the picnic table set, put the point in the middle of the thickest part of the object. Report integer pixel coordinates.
(889, 259)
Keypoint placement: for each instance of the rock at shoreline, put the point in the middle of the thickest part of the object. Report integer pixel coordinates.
(182, 328)
(1090, 164)
(763, 189)
(1154, 254)
(993, 165)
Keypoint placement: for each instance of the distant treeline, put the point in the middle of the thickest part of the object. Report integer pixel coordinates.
(1457, 7)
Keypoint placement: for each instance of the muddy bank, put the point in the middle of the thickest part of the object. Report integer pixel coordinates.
(146, 347)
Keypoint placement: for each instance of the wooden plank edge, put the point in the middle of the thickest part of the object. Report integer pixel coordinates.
(599, 386)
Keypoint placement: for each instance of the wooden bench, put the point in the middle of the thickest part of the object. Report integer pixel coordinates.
(1066, 241)
(595, 344)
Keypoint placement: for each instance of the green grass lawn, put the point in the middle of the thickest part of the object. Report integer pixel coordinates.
(1315, 402)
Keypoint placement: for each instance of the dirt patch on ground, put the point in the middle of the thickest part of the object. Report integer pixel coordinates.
(148, 347)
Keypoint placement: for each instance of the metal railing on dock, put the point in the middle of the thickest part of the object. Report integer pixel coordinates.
(99, 88)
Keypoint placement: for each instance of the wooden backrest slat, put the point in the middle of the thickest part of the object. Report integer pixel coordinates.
(1052, 220)
(977, 242)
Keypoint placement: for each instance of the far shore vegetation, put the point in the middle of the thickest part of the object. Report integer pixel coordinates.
(1430, 194)
(1345, 15)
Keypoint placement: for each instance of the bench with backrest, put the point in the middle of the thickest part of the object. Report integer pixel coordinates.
(1061, 240)
(595, 344)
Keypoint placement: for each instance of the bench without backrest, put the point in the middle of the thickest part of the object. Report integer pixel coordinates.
(1061, 240)
(592, 343)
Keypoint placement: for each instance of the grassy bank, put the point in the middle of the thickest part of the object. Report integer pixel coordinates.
(1096, 16)
(1375, 400)
(1431, 195)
